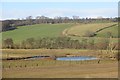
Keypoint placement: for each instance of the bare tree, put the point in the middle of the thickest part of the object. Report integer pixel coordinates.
(8, 43)
(29, 20)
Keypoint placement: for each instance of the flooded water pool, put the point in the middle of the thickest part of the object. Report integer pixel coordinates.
(81, 58)
(75, 58)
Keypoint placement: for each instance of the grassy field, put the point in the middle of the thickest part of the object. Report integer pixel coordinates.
(56, 30)
(35, 31)
(80, 30)
(113, 30)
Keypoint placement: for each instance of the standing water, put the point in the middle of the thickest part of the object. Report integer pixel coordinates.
(81, 58)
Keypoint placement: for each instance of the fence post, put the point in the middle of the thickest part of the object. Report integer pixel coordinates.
(20, 66)
(36, 64)
(9, 66)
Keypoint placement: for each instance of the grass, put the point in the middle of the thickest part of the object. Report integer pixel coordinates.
(104, 33)
(56, 69)
(56, 30)
(35, 31)
(80, 30)
(59, 69)
(37, 63)
(51, 52)
(33, 52)
(52, 68)
(96, 39)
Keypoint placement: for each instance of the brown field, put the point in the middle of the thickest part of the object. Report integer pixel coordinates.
(57, 52)
(107, 68)
(102, 70)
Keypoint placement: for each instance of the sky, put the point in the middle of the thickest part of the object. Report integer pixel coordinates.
(15, 10)
(59, 0)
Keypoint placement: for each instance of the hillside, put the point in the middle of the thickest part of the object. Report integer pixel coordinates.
(111, 30)
(84, 30)
(56, 30)
(35, 31)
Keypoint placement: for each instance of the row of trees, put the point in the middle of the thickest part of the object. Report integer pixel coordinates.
(58, 43)
(12, 24)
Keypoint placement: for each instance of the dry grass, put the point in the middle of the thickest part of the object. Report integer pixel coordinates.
(103, 70)
(57, 69)
(80, 30)
(57, 52)
(33, 52)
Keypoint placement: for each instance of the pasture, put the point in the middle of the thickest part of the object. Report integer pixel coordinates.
(35, 31)
(57, 30)
(80, 30)
(101, 30)
(112, 30)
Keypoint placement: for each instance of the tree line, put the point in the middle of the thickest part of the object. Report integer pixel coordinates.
(12, 24)
(59, 43)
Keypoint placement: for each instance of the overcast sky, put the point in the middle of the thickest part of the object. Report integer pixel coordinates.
(14, 10)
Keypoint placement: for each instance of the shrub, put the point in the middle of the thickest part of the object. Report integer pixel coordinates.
(89, 34)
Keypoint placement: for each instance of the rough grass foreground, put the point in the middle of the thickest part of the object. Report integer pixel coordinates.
(60, 69)
(57, 69)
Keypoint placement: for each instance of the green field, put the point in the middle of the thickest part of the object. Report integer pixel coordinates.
(57, 30)
(35, 31)
(81, 30)
(78, 31)
(113, 30)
